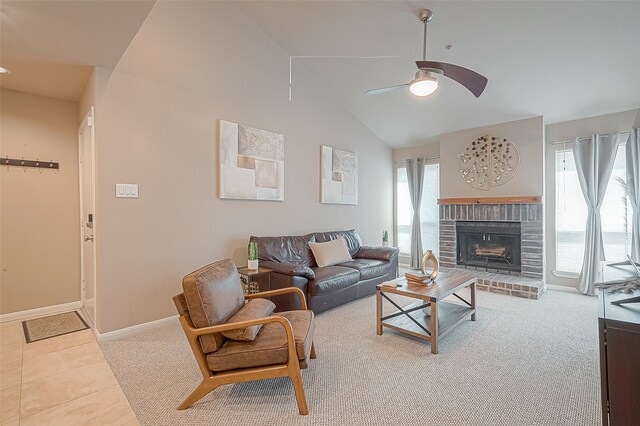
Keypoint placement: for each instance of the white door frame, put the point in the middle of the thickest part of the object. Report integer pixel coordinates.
(88, 121)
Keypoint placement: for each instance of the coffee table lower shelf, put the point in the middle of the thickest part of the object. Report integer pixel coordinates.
(449, 315)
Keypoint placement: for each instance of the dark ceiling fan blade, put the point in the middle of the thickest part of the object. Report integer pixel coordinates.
(470, 79)
(386, 89)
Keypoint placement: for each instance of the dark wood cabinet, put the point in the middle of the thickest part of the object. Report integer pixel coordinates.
(619, 359)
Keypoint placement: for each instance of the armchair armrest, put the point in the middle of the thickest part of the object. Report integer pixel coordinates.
(193, 334)
(379, 253)
(240, 324)
(289, 268)
(279, 291)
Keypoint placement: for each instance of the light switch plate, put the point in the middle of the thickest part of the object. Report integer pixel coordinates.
(126, 190)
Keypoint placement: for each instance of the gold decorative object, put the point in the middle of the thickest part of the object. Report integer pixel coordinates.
(429, 257)
(489, 161)
(248, 286)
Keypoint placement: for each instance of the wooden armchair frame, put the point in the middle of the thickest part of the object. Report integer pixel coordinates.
(211, 380)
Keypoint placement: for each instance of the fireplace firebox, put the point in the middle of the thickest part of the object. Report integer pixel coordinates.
(489, 244)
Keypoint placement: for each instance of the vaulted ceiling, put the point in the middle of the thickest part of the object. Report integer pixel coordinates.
(51, 47)
(562, 60)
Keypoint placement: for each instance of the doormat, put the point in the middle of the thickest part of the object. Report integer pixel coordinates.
(52, 326)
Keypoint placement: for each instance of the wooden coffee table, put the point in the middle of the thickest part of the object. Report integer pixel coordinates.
(444, 315)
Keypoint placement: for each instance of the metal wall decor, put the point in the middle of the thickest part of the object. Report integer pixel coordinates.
(489, 161)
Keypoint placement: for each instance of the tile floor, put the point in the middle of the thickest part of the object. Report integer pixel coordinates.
(63, 380)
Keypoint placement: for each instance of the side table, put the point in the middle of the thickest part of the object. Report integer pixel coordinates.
(255, 280)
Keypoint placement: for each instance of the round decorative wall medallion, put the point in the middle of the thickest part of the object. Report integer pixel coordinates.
(489, 161)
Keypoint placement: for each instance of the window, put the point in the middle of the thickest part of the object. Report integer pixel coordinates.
(429, 218)
(429, 212)
(404, 212)
(571, 213)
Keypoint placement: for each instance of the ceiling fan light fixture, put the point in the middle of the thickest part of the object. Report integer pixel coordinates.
(424, 84)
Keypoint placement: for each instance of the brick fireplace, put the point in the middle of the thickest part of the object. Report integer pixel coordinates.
(499, 238)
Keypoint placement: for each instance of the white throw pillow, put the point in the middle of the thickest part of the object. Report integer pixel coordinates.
(330, 253)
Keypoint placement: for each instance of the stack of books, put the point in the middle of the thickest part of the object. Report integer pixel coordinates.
(398, 282)
(420, 279)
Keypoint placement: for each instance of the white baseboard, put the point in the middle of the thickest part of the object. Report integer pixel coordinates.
(134, 329)
(40, 312)
(564, 288)
(87, 318)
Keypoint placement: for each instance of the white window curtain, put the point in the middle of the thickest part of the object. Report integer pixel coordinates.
(633, 189)
(415, 173)
(594, 158)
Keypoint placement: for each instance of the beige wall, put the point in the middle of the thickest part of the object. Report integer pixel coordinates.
(40, 236)
(608, 123)
(157, 123)
(92, 91)
(568, 131)
(427, 150)
(527, 135)
(88, 98)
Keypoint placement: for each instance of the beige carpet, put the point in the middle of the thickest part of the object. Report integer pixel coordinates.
(52, 326)
(524, 362)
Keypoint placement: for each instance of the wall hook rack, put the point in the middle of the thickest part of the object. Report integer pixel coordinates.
(29, 163)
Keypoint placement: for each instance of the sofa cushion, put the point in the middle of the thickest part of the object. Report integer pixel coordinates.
(288, 249)
(213, 294)
(269, 346)
(256, 308)
(331, 252)
(332, 278)
(351, 238)
(369, 268)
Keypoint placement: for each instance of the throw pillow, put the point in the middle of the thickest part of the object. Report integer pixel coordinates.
(256, 308)
(330, 253)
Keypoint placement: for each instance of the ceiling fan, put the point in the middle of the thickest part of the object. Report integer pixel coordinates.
(426, 82)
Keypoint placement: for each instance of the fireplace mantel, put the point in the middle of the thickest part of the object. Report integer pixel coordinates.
(491, 200)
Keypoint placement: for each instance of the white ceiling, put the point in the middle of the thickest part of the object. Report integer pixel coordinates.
(562, 60)
(52, 46)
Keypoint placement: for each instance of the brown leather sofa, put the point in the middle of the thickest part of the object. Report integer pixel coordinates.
(293, 265)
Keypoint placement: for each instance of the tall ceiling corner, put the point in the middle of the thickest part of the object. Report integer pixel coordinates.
(51, 47)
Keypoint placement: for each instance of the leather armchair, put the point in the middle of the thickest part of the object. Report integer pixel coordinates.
(282, 347)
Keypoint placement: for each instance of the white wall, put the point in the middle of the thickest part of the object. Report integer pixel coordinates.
(191, 65)
(528, 137)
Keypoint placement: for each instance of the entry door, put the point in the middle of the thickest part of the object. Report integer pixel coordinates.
(86, 135)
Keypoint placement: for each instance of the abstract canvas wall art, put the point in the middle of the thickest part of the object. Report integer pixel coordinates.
(251, 163)
(339, 176)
